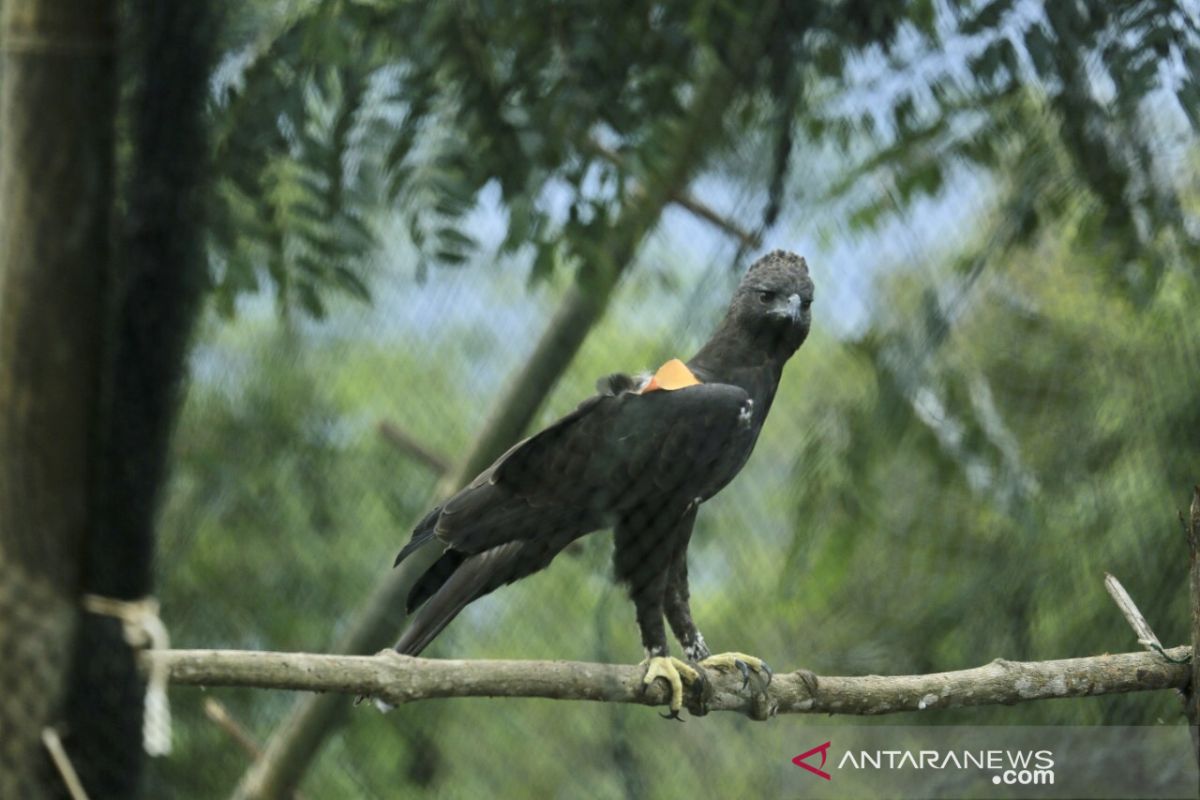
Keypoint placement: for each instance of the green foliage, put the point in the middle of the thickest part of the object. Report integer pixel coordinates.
(1054, 99)
(296, 191)
(352, 110)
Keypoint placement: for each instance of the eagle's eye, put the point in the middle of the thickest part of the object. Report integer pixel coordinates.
(766, 297)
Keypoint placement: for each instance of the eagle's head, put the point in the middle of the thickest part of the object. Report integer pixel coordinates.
(774, 300)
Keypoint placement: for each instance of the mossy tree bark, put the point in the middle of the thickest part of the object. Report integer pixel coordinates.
(57, 101)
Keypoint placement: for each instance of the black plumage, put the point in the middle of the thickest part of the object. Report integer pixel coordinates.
(640, 461)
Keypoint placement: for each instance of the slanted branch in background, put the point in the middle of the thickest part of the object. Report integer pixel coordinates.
(406, 443)
(686, 201)
(216, 711)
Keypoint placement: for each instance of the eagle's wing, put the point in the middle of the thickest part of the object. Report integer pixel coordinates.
(611, 454)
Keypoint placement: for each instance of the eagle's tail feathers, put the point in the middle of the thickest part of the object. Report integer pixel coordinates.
(419, 538)
(448, 586)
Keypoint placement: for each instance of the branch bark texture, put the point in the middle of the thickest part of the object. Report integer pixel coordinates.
(398, 679)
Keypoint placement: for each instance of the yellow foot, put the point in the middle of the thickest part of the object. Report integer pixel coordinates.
(676, 673)
(727, 662)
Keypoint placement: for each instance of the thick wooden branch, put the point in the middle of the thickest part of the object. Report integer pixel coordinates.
(399, 679)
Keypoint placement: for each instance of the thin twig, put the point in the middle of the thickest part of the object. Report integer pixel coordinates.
(706, 213)
(399, 679)
(690, 203)
(1133, 615)
(409, 445)
(62, 762)
(215, 710)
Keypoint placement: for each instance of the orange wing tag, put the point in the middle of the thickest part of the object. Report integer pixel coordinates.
(670, 376)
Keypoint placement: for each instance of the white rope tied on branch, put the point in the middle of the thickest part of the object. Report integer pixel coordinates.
(143, 630)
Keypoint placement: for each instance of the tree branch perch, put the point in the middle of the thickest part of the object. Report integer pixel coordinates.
(399, 679)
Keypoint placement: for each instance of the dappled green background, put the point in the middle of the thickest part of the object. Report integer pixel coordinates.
(997, 405)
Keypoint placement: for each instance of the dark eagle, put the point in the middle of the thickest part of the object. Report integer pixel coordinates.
(639, 457)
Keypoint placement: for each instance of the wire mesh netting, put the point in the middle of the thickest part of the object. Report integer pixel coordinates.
(996, 403)
(921, 499)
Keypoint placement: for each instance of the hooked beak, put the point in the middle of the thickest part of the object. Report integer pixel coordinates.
(790, 308)
(793, 306)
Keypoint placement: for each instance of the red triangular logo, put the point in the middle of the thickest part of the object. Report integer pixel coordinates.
(823, 749)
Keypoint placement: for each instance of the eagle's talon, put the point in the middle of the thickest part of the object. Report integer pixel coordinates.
(675, 673)
(743, 668)
(673, 715)
(701, 692)
(725, 662)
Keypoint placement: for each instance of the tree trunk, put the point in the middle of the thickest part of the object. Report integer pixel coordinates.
(158, 279)
(57, 100)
